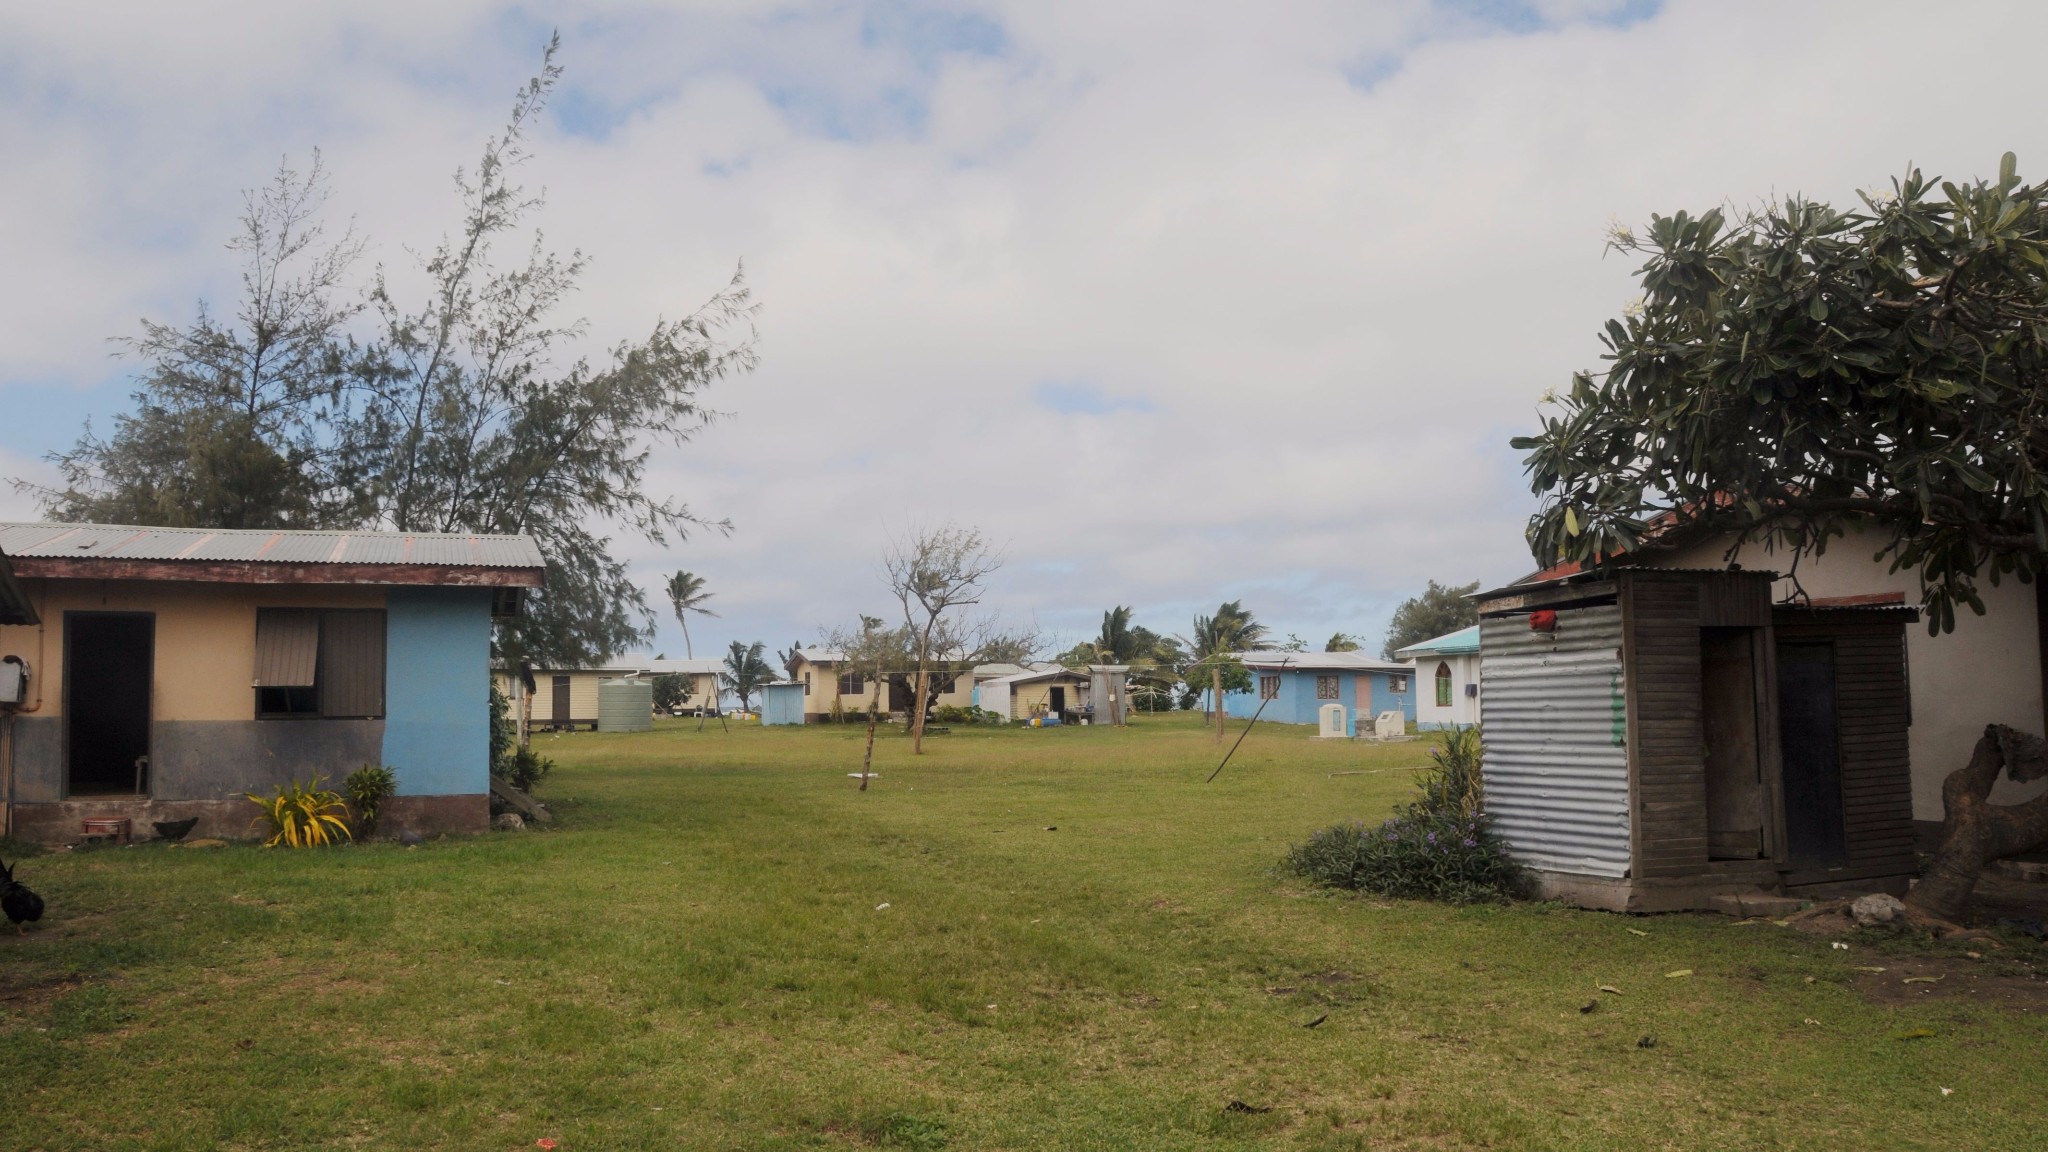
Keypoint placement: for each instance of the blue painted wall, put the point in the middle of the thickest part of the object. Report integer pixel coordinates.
(1297, 703)
(437, 690)
(782, 704)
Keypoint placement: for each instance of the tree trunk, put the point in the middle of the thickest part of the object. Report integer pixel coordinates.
(868, 760)
(525, 714)
(1216, 697)
(1974, 831)
(917, 706)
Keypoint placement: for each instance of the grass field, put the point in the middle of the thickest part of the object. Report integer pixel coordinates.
(1083, 946)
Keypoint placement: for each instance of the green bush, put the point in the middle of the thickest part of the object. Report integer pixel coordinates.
(1435, 847)
(525, 769)
(367, 788)
(504, 729)
(948, 714)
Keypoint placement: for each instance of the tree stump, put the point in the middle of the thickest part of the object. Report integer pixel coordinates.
(1974, 831)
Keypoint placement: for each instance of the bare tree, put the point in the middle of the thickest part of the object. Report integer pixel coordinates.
(867, 651)
(935, 573)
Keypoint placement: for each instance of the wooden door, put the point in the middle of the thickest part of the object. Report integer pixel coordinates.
(559, 705)
(1733, 761)
(1810, 736)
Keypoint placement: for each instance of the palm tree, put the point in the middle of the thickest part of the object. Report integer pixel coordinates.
(1231, 629)
(746, 669)
(686, 594)
(1116, 645)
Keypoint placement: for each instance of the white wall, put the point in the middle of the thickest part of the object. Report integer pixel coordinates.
(1464, 710)
(1987, 671)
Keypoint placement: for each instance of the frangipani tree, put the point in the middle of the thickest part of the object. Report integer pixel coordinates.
(1799, 372)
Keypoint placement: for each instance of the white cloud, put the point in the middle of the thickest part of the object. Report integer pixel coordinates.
(1324, 307)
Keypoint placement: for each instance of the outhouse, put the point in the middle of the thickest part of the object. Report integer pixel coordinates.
(1658, 737)
(782, 702)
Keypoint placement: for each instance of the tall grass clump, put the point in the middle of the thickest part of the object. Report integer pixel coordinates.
(1435, 847)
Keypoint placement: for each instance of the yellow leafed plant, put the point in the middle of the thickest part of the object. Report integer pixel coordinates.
(302, 816)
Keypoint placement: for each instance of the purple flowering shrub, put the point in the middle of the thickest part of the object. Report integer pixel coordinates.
(1435, 847)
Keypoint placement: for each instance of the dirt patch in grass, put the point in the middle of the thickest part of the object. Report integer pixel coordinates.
(1915, 980)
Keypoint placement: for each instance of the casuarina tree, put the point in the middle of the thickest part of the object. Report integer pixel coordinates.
(1801, 373)
(324, 402)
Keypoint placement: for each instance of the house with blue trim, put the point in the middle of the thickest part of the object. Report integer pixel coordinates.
(1294, 687)
(164, 672)
(1447, 674)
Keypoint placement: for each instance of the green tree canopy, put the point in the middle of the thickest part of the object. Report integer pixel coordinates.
(746, 670)
(1438, 610)
(1801, 371)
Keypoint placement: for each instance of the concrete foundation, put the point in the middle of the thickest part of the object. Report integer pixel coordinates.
(59, 823)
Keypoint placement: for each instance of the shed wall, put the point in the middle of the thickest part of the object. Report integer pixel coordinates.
(1556, 757)
(1871, 714)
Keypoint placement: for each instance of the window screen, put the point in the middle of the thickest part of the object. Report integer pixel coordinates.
(851, 685)
(1269, 687)
(1326, 687)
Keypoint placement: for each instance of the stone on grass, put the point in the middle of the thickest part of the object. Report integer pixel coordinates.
(1876, 908)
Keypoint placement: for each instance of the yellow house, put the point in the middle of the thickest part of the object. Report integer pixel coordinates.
(566, 698)
(161, 672)
(834, 688)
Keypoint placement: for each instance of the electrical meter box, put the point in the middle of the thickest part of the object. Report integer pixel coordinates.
(13, 682)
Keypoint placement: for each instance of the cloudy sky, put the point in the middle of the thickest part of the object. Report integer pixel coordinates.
(1179, 301)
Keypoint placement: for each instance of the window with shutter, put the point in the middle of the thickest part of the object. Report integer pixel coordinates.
(287, 662)
(313, 662)
(352, 664)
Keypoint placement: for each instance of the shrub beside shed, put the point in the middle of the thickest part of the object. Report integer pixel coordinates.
(1658, 737)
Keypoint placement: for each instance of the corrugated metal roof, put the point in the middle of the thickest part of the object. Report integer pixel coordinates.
(267, 546)
(1556, 755)
(1457, 643)
(1318, 662)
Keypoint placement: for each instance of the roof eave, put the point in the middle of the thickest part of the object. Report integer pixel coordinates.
(261, 572)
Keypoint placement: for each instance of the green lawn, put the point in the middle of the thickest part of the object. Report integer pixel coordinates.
(697, 957)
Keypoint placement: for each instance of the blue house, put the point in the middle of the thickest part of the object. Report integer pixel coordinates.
(164, 672)
(1294, 687)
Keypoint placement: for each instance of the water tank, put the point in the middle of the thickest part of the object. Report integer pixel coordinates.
(625, 705)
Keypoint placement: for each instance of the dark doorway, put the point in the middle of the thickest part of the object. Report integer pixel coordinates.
(559, 705)
(108, 659)
(1735, 789)
(1059, 700)
(899, 695)
(1811, 743)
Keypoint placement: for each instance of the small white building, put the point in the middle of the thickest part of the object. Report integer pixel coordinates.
(1447, 667)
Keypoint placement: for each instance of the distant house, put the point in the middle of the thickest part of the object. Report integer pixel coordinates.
(1294, 686)
(1041, 690)
(1448, 668)
(565, 699)
(834, 688)
(171, 670)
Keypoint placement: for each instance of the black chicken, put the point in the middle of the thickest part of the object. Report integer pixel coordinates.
(21, 905)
